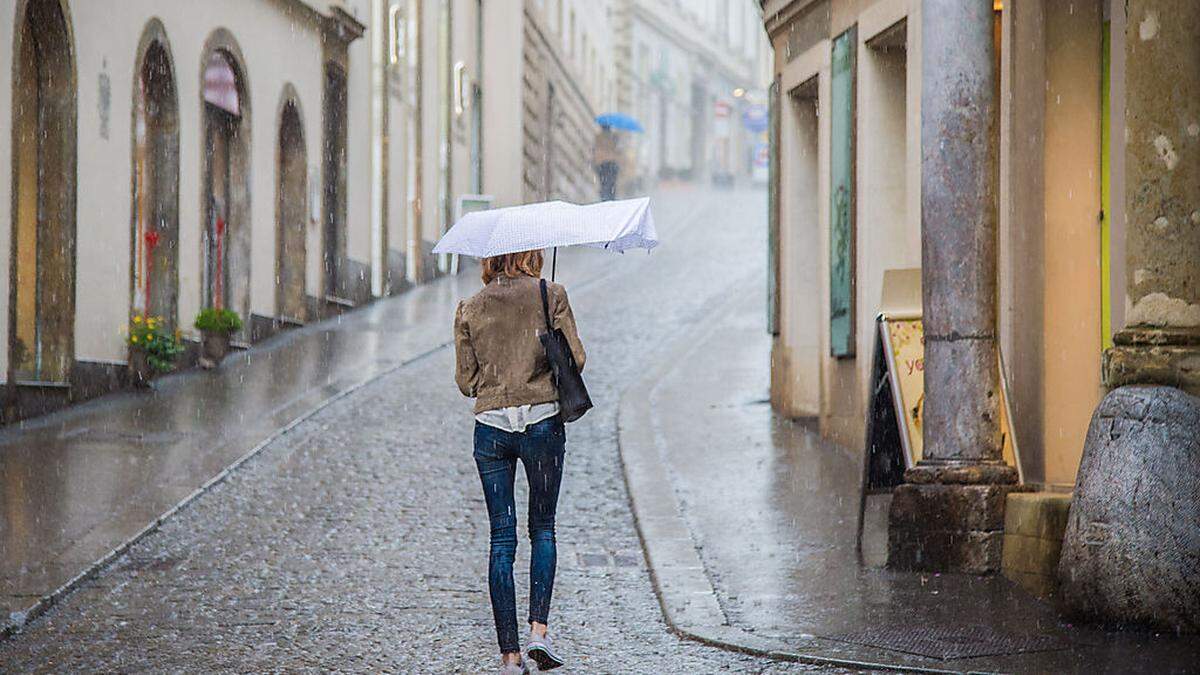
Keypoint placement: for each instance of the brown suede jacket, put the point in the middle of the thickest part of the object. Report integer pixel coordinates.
(499, 360)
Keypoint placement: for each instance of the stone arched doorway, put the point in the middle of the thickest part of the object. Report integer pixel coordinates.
(291, 212)
(155, 180)
(42, 296)
(225, 200)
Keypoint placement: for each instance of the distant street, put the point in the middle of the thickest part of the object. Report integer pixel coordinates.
(358, 540)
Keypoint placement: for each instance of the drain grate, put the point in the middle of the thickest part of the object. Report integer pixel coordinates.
(952, 643)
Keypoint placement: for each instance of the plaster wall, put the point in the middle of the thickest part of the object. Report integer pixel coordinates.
(1071, 323)
(502, 74)
(433, 86)
(1050, 279)
(401, 141)
(360, 128)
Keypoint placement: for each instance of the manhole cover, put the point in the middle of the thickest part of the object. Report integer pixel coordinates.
(952, 643)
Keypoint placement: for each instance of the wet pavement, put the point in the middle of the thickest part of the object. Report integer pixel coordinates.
(357, 540)
(80, 483)
(772, 510)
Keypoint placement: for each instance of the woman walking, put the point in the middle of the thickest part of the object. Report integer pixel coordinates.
(501, 363)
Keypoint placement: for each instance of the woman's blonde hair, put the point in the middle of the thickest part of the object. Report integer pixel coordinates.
(511, 265)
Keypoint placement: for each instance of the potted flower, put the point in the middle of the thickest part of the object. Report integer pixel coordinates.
(152, 348)
(216, 325)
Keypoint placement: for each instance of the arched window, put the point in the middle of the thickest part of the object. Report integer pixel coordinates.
(155, 180)
(225, 201)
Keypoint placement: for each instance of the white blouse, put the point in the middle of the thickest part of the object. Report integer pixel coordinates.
(514, 419)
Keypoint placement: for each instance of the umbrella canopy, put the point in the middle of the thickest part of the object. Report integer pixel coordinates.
(616, 226)
(619, 121)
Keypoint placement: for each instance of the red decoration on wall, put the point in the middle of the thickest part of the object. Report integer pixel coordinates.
(151, 238)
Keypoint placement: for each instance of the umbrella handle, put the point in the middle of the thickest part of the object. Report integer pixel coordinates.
(554, 263)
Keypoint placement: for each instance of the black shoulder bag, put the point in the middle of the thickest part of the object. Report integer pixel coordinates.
(573, 399)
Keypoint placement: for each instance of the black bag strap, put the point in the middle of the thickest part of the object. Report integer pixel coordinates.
(546, 306)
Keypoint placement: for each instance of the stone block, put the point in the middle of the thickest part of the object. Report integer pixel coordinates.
(963, 508)
(1131, 552)
(1030, 554)
(1037, 514)
(930, 550)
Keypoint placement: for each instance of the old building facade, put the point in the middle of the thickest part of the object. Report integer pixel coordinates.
(544, 90)
(1082, 237)
(286, 160)
(692, 73)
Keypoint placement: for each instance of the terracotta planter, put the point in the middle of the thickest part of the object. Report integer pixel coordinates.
(213, 348)
(140, 371)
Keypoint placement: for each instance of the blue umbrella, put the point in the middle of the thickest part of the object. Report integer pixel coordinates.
(619, 121)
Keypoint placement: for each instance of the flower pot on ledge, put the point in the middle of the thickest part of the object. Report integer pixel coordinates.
(214, 345)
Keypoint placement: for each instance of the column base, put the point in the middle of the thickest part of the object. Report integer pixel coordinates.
(950, 518)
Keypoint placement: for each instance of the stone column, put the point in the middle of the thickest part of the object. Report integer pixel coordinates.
(1160, 343)
(1131, 538)
(948, 516)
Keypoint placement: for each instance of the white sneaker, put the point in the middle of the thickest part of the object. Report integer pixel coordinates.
(539, 650)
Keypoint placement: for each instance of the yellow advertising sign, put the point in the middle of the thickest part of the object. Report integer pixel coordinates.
(904, 340)
(904, 345)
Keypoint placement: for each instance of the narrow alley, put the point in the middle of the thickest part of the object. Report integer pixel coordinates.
(355, 540)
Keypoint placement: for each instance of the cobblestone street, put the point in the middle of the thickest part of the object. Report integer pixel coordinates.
(358, 540)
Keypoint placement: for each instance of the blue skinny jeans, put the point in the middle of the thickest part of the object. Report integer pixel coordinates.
(540, 449)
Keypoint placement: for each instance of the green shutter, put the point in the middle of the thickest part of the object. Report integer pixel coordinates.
(841, 194)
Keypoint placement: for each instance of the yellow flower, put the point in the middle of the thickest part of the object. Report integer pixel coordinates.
(133, 339)
(137, 319)
(150, 324)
